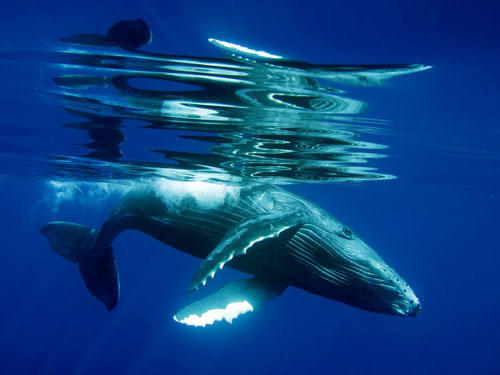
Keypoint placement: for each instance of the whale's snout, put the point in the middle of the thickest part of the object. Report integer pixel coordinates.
(414, 308)
(409, 305)
(354, 273)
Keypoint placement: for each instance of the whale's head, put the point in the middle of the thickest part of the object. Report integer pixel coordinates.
(346, 269)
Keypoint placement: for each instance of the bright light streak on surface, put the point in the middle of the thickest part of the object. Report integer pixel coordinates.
(237, 48)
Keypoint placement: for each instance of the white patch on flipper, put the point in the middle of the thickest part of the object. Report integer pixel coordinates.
(241, 252)
(207, 195)
(232, 311)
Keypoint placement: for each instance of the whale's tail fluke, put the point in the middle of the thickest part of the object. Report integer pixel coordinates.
(101, 278)
(76, 243)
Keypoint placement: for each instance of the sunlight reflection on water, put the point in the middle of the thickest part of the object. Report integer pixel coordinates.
(263, 118)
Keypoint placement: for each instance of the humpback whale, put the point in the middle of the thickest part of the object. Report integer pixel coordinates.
(277, 237)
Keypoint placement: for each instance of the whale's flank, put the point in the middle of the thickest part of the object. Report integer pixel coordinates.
(265, 231)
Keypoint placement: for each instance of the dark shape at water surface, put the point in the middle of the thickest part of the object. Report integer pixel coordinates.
(127, 34)
(130, 34)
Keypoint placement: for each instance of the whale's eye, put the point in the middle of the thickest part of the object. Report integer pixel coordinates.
(346, 233)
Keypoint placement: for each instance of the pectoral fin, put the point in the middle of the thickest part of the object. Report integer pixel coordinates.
(229, 302)
(242, 237)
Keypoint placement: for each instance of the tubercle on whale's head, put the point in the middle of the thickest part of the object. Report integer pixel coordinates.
(358, 276)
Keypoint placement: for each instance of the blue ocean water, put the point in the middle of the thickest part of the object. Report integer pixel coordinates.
(435, 223)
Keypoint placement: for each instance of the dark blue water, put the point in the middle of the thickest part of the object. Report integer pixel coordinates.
(436, 223)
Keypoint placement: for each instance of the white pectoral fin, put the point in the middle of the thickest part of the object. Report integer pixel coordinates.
(241, 238)
(229, 302)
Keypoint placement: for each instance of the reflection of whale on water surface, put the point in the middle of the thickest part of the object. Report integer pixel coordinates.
(125, 34)
(130, 34)
(269, 117)
(278, 237)
(104, 132)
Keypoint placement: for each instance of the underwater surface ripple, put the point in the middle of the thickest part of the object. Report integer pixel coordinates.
(277, 121)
